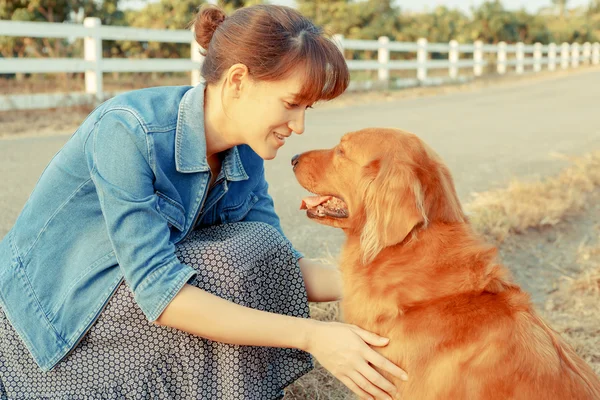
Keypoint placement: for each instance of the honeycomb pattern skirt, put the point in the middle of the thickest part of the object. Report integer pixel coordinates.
(123, 356)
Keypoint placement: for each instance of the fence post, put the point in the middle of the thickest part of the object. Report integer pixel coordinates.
(422, 59)
(383, 56)
(552, 57)
(596, 53)
(501, 62)
(587, 53)
(575, 55)
(478, 58)
(196, 56)
(92, 52)
(537, 57)
(564, 55)
(520, 57)
(453, 59)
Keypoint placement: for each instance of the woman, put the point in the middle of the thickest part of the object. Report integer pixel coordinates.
(149, 261)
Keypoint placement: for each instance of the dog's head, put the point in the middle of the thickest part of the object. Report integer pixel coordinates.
(380, 184)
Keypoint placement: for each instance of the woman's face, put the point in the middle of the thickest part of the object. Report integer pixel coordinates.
(267, 113)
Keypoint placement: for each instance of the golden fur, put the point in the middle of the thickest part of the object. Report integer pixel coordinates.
(414, 271)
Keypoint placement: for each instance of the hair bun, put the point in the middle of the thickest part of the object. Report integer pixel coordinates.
(207, 21)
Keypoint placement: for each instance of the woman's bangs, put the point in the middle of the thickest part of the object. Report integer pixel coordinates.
(325, 71)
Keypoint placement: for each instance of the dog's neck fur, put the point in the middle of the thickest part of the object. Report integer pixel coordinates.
(432, 264)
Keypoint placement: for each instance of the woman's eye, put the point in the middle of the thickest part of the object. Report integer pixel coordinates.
(295, 105)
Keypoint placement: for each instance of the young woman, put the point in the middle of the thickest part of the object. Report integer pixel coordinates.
(149, 261)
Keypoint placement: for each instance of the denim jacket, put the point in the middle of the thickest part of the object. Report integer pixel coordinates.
(129, 184)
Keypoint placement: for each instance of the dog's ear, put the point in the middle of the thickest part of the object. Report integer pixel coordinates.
(441, 200)
(393, 206)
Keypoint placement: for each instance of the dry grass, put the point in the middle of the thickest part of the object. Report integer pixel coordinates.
(523, 205)
(52, 121)
(75, 82)
(574, 310)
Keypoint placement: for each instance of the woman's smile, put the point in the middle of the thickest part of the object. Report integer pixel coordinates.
(279, 138)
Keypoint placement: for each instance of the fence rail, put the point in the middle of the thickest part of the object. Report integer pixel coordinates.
(427, 57)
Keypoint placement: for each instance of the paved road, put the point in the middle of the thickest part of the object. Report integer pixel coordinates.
(486, 137)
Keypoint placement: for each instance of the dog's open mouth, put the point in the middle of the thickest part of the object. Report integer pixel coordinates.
(324, 206)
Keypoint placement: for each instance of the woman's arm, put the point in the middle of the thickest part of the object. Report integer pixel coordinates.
(200, 313)
(323, 282)
(342, 349)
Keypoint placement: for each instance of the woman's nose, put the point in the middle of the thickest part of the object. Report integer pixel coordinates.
(297, 124)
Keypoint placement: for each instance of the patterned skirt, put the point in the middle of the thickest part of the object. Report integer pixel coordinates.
(123, 356)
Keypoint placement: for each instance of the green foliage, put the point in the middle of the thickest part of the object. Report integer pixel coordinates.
(441, 25)
(166, 14)
(561, 4)
(490, 22)
(52, 11)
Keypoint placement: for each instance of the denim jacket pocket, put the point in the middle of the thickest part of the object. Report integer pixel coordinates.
(173, 212)
(238, 212)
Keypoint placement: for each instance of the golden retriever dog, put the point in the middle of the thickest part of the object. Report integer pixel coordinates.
(414, 271)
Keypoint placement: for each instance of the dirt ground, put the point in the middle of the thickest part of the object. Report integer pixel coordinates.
(542, 259)
(67, 119)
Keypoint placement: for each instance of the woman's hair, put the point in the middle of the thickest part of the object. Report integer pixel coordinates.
(272, 41)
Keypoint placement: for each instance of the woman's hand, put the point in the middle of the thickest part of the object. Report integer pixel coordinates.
(344, 351)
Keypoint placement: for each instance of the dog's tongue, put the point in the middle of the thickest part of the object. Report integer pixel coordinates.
(313, 201)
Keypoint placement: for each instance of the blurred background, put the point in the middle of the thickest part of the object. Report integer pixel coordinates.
(507, 92)
(466, 21)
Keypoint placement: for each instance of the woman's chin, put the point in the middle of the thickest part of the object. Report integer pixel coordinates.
(265, 152)
(269, 156)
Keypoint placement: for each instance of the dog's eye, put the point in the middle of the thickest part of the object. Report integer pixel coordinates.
(339, 151)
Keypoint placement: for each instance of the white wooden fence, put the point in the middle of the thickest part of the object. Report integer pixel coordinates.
(507, 56)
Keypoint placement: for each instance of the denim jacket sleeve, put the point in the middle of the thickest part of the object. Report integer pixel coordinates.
(264, 210)
(117, 154)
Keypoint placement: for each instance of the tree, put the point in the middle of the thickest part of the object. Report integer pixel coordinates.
(562, 6)
(166, 14)
(441, 25)
(334, 16)
(593, 7)
(492, 23)
(375, 18)
(52, 11)
(57, 11)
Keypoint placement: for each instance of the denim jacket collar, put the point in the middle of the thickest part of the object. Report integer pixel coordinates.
(190, 141)
(233, 167)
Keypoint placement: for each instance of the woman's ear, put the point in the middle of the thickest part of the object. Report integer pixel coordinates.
(236, 79)
(393, 206)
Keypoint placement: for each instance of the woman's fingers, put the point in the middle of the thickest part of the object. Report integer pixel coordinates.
(383, 363)
(368, 387)
(377, 379)
(377, 359)
(370, 337)
(345, 352)
(355, 388)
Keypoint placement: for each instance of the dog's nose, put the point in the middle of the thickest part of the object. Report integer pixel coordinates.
(295, 160)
